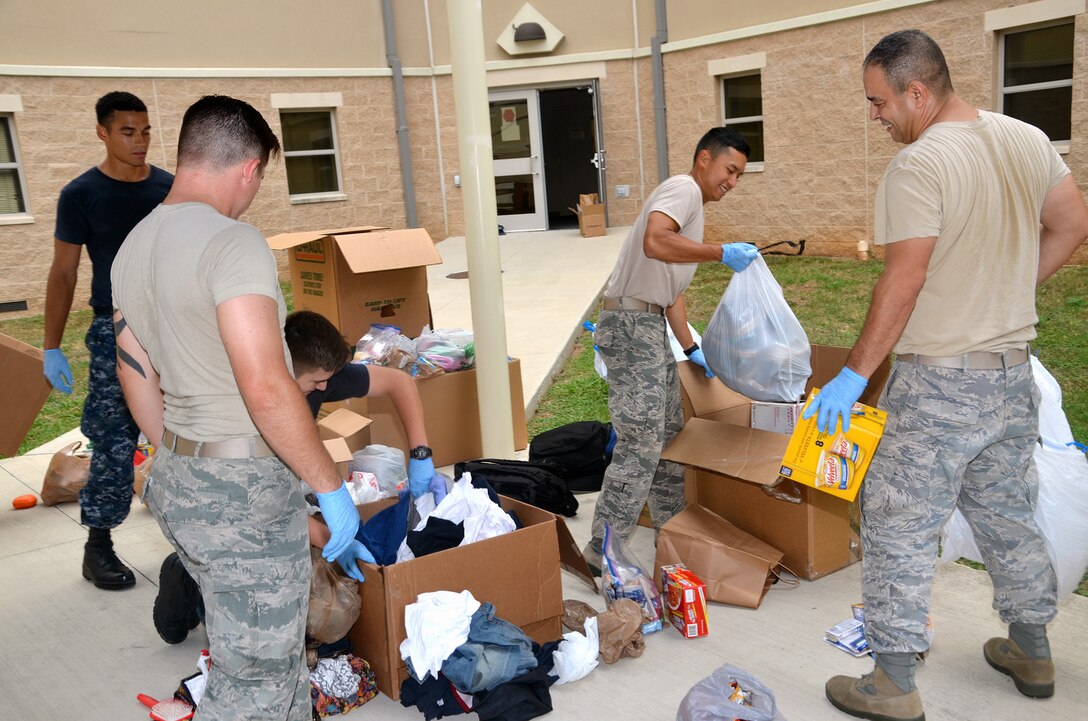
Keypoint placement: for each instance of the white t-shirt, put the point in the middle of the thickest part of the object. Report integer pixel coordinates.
(174, 268)
(978, 187)
(653, 281)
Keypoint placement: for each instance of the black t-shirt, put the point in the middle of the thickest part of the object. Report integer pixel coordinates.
(99, 212)
(352, 381)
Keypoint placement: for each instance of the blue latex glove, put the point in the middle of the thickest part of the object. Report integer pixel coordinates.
(739, 256)
(349, 559)
(341, 517)
(698, 358)
(57, 370)
(420, 474)
(836, 400)
(438, 487)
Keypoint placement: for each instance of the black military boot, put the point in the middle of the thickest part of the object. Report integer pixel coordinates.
(101, 566)
(175, 610)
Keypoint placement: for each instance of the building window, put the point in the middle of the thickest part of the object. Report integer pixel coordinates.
(12, 184)
(310, 153)
(1036, 78)
(742, 103)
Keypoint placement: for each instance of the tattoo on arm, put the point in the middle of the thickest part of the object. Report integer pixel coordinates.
(123, 356)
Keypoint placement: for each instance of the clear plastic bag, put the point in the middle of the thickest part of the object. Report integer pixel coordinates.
(754, 342)
(623, 577)
(727, 694)
(376, 344)
(445, 348)
(385, 462)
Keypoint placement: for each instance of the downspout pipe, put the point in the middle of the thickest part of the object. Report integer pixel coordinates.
(658, 67)
(407, 178)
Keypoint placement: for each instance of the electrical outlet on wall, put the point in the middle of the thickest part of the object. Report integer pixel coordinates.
(623, 191)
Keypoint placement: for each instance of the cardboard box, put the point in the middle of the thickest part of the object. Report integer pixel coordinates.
(734, 463)
(518, 572)
(451, 413)
(24, 390)
(363, 275)
(684, 594)
(590, 216)
(343, 432)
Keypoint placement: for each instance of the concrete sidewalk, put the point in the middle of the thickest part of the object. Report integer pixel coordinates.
(71, 650)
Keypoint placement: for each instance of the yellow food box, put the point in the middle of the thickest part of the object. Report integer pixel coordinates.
(834, 463)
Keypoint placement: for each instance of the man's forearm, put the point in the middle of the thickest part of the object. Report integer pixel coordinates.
(60, 289)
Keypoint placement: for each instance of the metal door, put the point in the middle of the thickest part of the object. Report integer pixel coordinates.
(519, 172)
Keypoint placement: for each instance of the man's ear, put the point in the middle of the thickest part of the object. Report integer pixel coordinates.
(917, 93)
(252, 170)
(102, 132)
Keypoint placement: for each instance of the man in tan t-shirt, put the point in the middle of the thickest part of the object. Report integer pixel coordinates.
(959, 211)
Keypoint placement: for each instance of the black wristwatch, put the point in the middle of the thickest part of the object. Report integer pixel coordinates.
(688, 351)
(420, 453)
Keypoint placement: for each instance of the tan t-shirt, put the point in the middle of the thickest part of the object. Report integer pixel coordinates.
(637, 276)
(978, 187)
(174, 268)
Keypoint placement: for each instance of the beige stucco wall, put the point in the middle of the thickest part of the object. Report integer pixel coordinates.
(824, 157)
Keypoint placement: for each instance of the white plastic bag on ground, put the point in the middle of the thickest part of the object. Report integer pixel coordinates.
(754, 342)
(1061, 510)
(724, 695)
(577, 654)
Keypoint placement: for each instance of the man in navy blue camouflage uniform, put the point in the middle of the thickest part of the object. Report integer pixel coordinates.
(97, 210)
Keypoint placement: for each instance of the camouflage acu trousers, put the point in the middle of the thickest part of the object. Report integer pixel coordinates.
(106, 499)
(239, 527)
(954, 438)
(644, 402)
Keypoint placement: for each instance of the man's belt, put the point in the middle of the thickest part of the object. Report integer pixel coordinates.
(976, 360)
(634, 304)
(251, 447)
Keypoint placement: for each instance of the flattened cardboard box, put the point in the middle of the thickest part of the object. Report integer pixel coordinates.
(518, 572)
(24, 390)
(362, 275)
(733, 463)
(450, 412)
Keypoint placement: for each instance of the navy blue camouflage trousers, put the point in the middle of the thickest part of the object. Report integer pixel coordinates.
(954, 438)
(106, 499)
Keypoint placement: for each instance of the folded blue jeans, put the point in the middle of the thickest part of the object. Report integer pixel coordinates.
(496, 651)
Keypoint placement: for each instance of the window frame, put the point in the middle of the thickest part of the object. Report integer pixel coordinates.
(1062, 146)
(24, 215)
(321, 196)
(753, 166)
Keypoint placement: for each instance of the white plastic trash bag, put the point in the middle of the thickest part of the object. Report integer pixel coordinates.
(577, 654)
(754, 342)
(724, 696)
(385, 462)
(1061, 510)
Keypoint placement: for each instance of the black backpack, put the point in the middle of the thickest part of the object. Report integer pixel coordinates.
(581, 448)
(538, 484)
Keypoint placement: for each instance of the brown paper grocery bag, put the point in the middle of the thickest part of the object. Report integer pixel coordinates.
(737, 567)
(66, 475)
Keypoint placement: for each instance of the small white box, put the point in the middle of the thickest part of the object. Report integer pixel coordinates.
(776, 417)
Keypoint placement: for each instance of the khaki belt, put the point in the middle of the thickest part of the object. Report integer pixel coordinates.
(251, 447)
(977, 360)
(634, 304)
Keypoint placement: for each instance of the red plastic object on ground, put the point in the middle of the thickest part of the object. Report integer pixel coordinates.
(170, 709)
(27, 500)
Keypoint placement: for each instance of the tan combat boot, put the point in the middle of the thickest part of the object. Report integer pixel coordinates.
(875, 697)
(1033, 677)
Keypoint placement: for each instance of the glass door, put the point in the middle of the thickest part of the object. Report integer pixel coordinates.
(519, 172)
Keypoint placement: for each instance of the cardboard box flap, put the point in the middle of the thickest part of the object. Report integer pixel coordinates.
(709, 528)
(745, 453)
(338, 449)
(388, 250)
(24, 390)
(342, 423)
(283, 241)
(707, 395)
(571, 558)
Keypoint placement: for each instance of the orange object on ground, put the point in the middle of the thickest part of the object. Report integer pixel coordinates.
(27, 500)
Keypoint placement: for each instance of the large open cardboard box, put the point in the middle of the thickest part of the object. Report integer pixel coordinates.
(343, 432)
(518, 572)
(362, 275)
(24, 390)
(733, 471)
(450, 411)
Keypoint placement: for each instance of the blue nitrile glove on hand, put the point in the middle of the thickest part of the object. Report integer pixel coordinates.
(420, 474)
(338, 510)
(57, 370)
(698, 358)
(349, 559)
(739, 256)
(836, 400)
